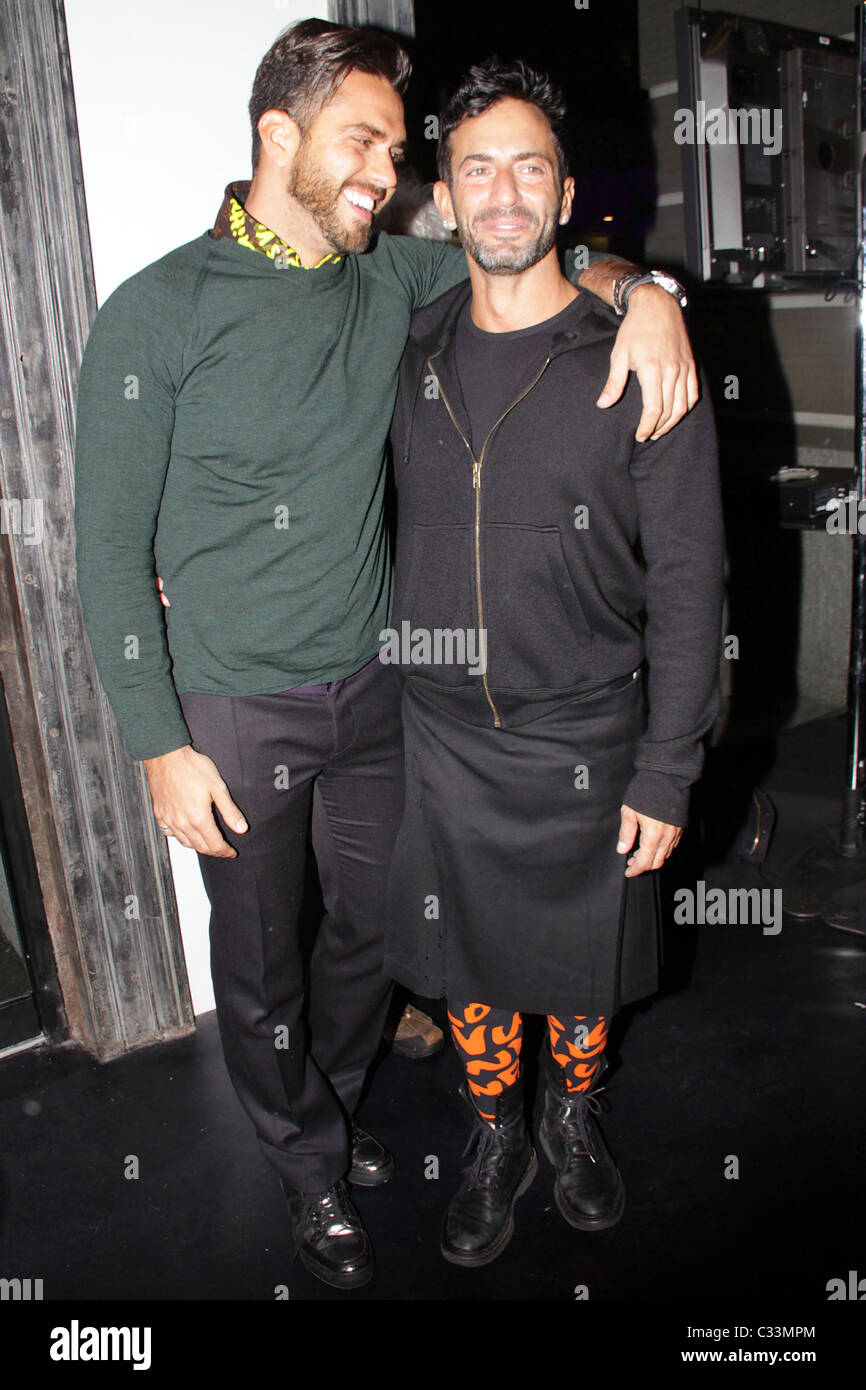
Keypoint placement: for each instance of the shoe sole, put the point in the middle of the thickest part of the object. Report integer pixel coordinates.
(493, 1251)
(584, 1223)
(335, 1280)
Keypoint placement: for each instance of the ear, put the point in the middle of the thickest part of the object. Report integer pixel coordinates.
(280, 137)
(442, 199)
(567, 200)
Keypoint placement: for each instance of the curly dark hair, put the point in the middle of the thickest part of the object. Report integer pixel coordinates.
(489, 82)
(303, 68)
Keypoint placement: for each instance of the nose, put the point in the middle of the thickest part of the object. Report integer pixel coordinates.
(503, 190)
(381, 170)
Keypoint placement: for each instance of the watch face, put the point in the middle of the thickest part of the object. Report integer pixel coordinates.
(667, 282)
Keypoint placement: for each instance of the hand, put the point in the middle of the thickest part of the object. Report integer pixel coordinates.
(653, 342)
(162, 598)
(657, 839)
(185, 786)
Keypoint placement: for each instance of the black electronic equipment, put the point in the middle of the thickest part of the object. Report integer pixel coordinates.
(768, 125)
(810, 498)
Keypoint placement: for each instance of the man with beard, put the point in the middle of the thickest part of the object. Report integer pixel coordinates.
(233, 412)
(563, 554)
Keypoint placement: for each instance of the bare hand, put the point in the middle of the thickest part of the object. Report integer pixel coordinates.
(653, 342)
(162, 598)
(185, 787)
(657, 839)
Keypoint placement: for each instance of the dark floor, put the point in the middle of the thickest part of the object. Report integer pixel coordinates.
(754, 1051)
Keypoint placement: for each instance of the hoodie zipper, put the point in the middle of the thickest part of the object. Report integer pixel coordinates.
(476, 483)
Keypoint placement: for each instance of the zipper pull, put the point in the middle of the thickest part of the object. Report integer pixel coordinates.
(476, 474)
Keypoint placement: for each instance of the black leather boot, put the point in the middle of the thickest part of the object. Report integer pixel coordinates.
(329, 1236)
(479, 1222)
(589, 1189)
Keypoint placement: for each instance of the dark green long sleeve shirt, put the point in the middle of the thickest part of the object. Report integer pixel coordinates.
(232, 419)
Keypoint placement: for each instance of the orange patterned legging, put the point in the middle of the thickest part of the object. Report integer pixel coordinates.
(489, 1040)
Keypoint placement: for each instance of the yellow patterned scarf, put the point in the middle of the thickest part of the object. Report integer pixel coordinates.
(234, 221)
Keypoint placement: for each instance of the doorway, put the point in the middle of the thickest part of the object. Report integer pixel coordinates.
(21, 909)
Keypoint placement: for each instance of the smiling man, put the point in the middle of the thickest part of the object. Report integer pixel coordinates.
(529, 517)
(233, 413)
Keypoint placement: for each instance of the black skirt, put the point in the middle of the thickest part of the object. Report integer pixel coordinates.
(505, 885)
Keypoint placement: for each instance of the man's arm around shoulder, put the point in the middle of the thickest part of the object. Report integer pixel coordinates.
(652, 342)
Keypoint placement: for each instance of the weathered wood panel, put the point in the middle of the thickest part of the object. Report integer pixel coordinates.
(99, 856)
(398, 16)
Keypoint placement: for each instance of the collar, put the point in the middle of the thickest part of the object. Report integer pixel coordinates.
(235, 222)
(434, 327)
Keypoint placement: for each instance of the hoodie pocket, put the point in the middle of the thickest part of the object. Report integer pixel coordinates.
(433, 614)
(538, 637)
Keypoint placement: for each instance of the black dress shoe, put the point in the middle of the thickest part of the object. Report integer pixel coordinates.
(372, 1164)
(329, 1236)
(589, 1189)
(479, 1222)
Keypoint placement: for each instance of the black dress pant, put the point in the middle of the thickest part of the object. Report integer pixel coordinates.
(298, 1035)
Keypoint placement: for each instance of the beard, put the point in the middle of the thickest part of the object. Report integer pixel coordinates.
(320, 196)
(507, 260)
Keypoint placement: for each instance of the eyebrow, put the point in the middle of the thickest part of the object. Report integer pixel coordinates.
(376, 133)
(524, 154)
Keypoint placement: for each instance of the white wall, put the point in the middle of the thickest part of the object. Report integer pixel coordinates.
(161, 91)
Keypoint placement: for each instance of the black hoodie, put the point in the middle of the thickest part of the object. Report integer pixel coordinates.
(579, 551)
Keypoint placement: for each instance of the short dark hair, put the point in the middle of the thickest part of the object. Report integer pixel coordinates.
(491, 81)
(303, 68)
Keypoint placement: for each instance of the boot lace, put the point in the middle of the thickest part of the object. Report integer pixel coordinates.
(490, 1157)
(575, 1122)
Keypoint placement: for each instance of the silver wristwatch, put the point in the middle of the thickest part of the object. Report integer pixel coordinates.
(623, 288)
